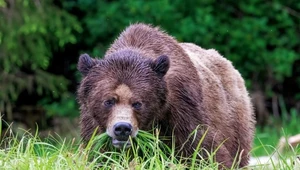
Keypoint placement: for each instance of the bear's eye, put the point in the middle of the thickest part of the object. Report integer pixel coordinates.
(137, 105)
(109, 102)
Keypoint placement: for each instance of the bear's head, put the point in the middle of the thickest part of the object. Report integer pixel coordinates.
(122, 93)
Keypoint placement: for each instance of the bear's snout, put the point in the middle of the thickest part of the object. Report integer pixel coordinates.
(122, 131)
(122, 124)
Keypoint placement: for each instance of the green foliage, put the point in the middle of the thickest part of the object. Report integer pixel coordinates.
(29, 33)
(258, 37)
(65, 107)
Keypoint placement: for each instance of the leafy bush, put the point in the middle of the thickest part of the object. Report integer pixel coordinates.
(65, 107)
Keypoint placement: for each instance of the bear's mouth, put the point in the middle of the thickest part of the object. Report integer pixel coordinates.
(121, 143)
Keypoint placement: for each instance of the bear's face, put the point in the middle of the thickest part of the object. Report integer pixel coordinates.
(123, 93)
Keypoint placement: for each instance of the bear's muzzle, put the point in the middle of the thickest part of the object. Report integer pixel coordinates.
(122, 131)
(122, 125)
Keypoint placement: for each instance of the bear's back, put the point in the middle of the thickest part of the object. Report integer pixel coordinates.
(240, 113)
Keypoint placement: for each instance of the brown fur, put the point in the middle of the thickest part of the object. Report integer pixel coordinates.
(200, 88)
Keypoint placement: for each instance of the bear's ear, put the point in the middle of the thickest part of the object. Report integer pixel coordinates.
(161, 65)
(85, 63)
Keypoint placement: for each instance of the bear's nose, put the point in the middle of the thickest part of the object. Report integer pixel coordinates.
(122, 130)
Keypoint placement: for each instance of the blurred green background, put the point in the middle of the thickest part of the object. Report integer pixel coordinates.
(41, 40)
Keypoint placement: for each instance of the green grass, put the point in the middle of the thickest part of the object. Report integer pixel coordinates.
(267, 138)
(149, 152)
(28, 151)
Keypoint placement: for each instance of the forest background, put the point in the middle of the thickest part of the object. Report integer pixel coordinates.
(41, 40)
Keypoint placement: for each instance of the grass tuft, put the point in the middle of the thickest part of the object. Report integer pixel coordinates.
(148, 151)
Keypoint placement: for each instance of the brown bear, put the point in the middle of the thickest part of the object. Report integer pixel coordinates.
(147, 77)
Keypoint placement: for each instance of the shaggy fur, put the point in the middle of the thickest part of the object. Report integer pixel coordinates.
(180, 85)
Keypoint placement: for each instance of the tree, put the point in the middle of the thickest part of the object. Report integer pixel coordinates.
(30, 31)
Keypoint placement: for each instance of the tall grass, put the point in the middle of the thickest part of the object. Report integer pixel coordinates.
(28, 151)
(266, 147)
(148, 152)
(267, 137)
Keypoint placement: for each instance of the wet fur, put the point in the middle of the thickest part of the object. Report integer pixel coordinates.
(200, 87)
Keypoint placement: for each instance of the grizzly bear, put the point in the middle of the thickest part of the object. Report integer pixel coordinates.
(147, 77)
